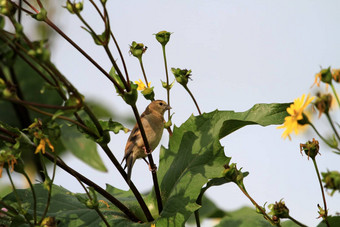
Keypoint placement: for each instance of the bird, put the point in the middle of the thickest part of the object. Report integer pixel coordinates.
(153, 123)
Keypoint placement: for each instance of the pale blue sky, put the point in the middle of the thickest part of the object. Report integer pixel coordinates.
(240, 53)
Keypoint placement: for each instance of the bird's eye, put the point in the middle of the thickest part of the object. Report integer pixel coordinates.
(161, 103)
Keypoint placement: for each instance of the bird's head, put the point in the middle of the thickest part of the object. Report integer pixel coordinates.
(159, 106)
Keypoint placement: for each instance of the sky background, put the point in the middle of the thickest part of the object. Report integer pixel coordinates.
(240, 53)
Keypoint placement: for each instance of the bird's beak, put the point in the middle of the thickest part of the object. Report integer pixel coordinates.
(168, 107)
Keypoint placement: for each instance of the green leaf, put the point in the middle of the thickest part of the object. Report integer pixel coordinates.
(208, 210)
(113, 126)
(244, 217)
(64, 206)
(195, 155)
(332, 220)
(82, 147)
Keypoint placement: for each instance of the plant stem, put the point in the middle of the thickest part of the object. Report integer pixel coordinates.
(296, 221)
(100, 190)
(131, 185)
(167, 80)
(332, 125)
(335, 94)
(52, 25)
(144, 74)
(18, 198)
(257, 206)
(50, 186)
(152, 164)
(193, 98)
(323, 139)
(322, 191)
(199, 202)
(34, 197)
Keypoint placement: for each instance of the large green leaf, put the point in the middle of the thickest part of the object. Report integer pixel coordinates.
(83, 148)
(195, 155)
(332, 220)
(244, 217)
(208, 210)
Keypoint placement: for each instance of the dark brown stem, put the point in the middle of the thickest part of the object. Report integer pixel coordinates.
(47, 106)
(132, 186)
(52, 25)
(152, 163)
(100, 190)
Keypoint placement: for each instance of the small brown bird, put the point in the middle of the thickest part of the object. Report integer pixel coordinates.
(153, 124)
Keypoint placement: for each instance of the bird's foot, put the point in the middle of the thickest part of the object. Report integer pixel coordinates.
(153, 169)
(146, 152)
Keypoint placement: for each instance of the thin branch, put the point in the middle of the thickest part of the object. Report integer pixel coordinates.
(100, 190)
(152, 164)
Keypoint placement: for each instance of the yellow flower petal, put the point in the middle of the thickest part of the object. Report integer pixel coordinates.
(295, 112)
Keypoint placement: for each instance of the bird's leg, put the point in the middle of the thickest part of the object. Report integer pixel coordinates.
(150, 168)
(145, 151)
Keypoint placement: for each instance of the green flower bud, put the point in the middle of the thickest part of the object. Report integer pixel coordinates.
(137, 49)
(41, 16)
(148, 93)
(311, 148)
(131, 96)
(181, 75)
(7, 93)
(332, 181)
(326, 75)
(322, 212)
(279, 209)
(91, 204)
(163, 37)
(231, 173)
(47, 183)
(75, 7)
(7, 8)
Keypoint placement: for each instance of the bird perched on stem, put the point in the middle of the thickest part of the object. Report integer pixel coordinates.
(153, 124)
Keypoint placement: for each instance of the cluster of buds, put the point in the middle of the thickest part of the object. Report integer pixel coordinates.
(182, 75)
(40, 52)
(74, 7)
(39, 137)
(231, 173)
(7, 8)
(137, 49)
(4, 90)
(279, 210)
(163, 37)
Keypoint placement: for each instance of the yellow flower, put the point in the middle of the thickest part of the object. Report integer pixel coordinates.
(9, 158)
(141, 85)
(42, 146)
(295, 111)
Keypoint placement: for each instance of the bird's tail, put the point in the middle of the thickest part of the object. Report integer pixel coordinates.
(129, 164)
